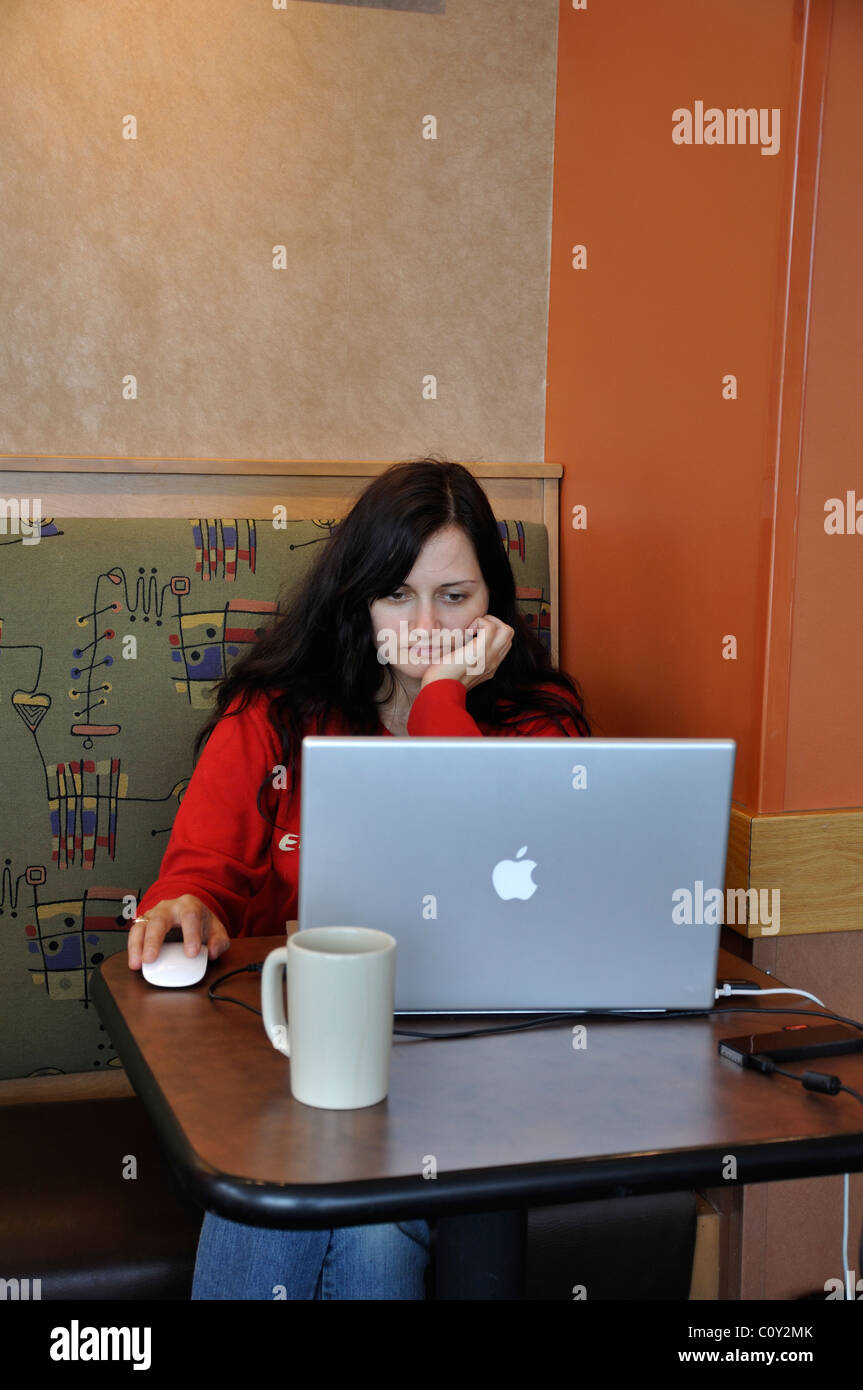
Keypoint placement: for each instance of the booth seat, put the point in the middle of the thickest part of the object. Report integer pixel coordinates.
(112, 633)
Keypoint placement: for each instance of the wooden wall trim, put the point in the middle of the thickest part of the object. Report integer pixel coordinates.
(110, 1084)
(342, 468)
(704, 1284)
(814, 859)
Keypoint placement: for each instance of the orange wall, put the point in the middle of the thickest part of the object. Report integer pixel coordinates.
(824, 750)
(687, 259)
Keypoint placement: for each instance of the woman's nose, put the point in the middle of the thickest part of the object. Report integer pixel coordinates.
(424, 616)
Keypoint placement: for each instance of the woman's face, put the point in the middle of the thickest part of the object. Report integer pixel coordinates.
(443, 593)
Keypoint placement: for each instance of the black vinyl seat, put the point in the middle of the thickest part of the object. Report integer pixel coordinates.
(72, 1220)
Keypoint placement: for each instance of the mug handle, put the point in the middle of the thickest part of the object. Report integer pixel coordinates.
(273, 1000)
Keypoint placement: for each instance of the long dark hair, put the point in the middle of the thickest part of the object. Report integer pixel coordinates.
(319, 658)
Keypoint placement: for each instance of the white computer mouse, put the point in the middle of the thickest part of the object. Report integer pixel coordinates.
(173, 969)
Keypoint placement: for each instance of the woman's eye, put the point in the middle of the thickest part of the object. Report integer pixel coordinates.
(400, 594)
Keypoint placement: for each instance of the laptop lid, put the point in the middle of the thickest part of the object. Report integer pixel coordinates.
(523, 874)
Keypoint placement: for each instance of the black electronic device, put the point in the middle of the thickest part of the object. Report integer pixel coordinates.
(793, 1043)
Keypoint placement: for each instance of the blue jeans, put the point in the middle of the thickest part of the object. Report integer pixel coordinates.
(236, 1261)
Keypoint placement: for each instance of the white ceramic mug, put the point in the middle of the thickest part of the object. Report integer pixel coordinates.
(339, 1027)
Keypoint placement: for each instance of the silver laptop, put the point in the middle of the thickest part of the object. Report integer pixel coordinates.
(523, 874)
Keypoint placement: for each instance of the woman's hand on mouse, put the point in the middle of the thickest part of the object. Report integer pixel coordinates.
(198, 923)
(486, 642)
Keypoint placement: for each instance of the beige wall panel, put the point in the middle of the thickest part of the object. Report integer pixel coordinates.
(259, 127)
(828, 964)
(792, 1241)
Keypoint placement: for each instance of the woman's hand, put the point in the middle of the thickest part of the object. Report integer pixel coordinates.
(199, 925)
(486, 643)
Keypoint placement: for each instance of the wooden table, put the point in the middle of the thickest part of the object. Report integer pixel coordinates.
(504, 1123)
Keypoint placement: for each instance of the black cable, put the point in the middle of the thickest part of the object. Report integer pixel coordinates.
(648, 1015)
(635, 1014)
(822, 1081)
(544, 1020)
(228, 998)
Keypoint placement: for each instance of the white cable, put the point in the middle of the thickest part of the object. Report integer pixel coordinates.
(849, 1276)
(727, 991)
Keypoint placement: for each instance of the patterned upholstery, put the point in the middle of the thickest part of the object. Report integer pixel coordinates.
(111, 634)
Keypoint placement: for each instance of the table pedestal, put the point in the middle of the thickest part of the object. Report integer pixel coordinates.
(481, 1256)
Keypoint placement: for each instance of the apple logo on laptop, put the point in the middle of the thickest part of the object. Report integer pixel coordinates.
(512, 877)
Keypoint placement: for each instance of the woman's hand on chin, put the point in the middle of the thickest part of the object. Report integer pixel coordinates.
(486, 642)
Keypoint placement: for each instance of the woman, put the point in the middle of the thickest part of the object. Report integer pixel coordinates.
(406, 626)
